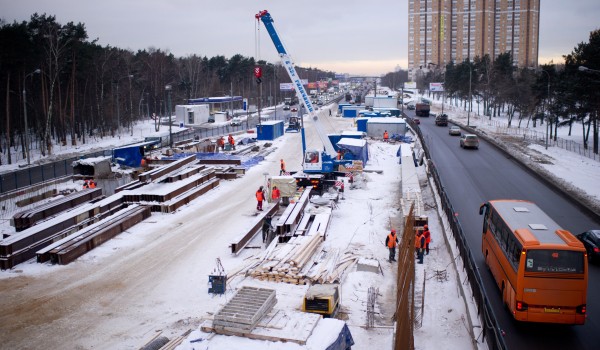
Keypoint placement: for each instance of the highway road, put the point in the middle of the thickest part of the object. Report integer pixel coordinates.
(472, 177)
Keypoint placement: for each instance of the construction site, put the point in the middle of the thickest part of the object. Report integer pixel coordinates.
(177, 259)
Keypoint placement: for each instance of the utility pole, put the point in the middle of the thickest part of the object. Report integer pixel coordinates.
(168, 88)
(37, 71)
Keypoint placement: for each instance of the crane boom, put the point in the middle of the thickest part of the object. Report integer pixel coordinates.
(287, 62)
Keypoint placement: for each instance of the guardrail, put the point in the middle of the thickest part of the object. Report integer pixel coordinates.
(491, 329)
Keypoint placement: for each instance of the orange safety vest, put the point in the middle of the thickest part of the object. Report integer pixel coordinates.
(282, 165)
(385, 135)
(276, 194)
(259, 196)
(92, 184)
(418, 244)
(427, 235)
(391, 241)
(231, 140)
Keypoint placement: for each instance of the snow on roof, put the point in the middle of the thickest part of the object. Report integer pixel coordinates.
(91, 161)
(352, 142)
(271, 122)
(387, 121)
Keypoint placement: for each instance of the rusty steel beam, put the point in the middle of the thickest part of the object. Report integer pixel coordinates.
(81, 244)
(27, 218)
(154, 174)
(188, 196)
(236, 247)
(221, 161)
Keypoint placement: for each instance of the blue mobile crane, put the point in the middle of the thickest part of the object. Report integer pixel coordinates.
(318, 165)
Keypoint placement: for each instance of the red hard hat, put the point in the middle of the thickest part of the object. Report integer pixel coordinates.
(393, 231)
(425, 226)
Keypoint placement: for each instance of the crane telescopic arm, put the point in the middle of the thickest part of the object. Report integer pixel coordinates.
(267, 20)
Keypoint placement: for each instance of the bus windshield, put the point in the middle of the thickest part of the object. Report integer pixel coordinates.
(556, 261)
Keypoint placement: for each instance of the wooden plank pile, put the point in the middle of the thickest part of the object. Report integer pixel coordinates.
(287, 262)
(277, 326)
(302, 260)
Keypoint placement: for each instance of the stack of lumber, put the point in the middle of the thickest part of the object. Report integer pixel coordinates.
(302, 261)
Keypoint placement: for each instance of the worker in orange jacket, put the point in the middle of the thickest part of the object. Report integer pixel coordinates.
(275, 194)
(282, 166)
(231, 141)
(92, 184)
(391, 241)
(260, 197)
(386, 136)
(419, 245)
(427, 236)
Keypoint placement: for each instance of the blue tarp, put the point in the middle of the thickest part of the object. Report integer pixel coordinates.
(355, 149)
(344, 340)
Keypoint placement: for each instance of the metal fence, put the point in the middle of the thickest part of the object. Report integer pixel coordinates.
(540, 138)
(490, 328)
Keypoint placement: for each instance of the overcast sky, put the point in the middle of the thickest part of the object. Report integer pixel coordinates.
(345, 36)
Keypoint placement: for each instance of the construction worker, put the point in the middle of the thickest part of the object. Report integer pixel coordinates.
(231, 141)
(427, 236)
(282, 166)
(143, 162)
(275, 194)
(221, 143)
(92, 184)
(386, 136)
(260, 197)
(266, 227)
(86, 184)
(419, 245)
(391, 241)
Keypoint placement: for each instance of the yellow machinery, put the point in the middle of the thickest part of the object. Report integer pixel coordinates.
(322, 299)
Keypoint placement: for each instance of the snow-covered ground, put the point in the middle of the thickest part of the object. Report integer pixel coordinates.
(154, 276)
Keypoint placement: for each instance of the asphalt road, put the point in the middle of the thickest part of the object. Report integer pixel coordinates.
(472, 177)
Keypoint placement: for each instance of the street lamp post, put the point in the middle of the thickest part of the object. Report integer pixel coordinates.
(168, 87)
(37, 71)
(547, 116)
(470, 97)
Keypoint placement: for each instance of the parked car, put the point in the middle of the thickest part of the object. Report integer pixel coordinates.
(454, 130)
(236, 121)
(410, 107)
(286, 108)
(591, 242)
(469, 141)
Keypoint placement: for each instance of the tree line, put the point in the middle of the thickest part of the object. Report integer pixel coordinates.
(71, 87)
(558, 94)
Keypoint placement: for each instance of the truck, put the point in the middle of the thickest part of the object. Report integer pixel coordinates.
(319, 167)
(422, 109)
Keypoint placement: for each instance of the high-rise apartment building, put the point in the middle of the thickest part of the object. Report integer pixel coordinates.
(441, 31)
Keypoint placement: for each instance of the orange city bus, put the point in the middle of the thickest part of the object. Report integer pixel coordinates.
(540, 268)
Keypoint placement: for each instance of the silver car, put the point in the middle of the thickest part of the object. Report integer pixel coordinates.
(454, 130)
(469, 141)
